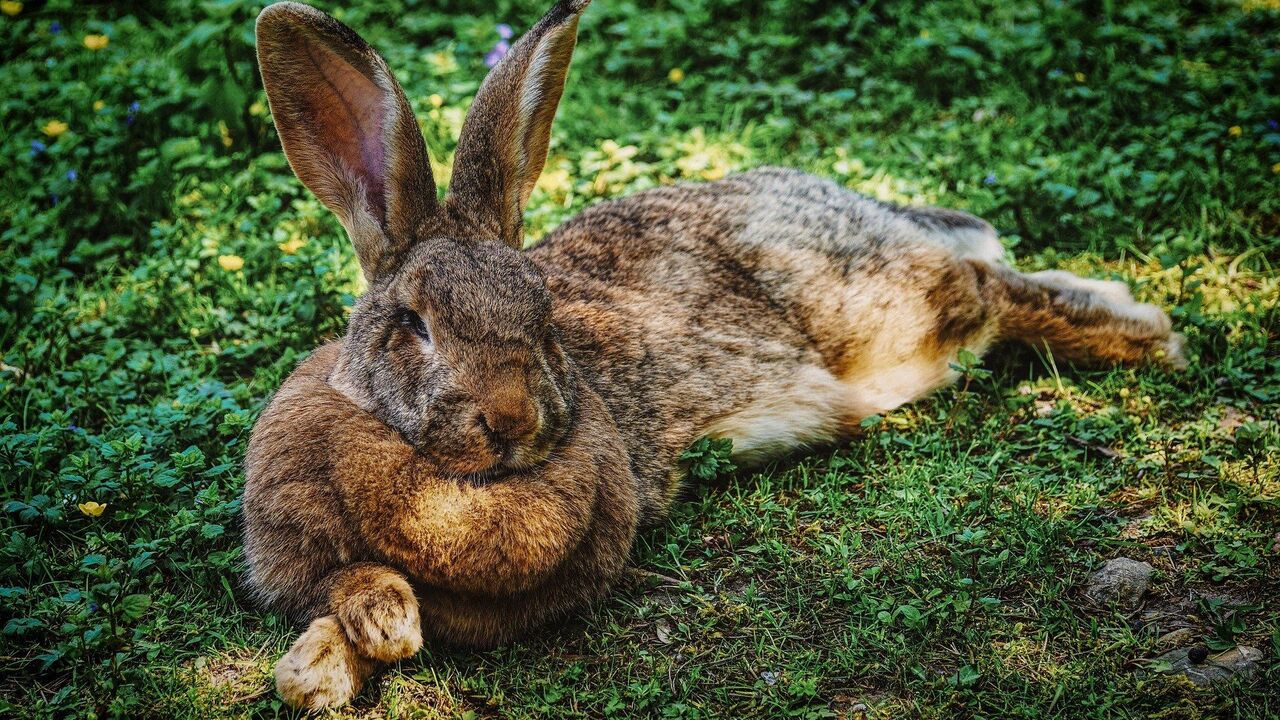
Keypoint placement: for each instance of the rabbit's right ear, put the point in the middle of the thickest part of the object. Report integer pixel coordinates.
(346, 128)
(505, 137)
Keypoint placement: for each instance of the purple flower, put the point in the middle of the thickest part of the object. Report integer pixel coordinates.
(504, 31)
(55, 27)
(37, 147)
(990, 179)
(134, 106)
(71, 175)
(496, 54)
(93, 607)
(1273, 124)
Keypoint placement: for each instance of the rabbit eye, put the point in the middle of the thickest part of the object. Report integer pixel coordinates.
(414, 322)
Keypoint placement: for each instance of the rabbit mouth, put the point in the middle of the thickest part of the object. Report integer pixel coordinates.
(522, 455)
(481, 457)
(511, 458)
(502, 462)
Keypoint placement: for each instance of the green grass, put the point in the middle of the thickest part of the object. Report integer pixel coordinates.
(932, 567)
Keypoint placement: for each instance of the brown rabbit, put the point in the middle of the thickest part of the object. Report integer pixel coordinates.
(474, 457)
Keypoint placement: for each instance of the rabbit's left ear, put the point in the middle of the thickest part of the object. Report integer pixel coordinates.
(347, 130)
(504, 139)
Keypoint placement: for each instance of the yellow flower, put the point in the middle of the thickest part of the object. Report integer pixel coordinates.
(1235, 131)
(96, 42)
(258, 108)
(230, 263)
(291, 246)
(54, 128)
(10, 8)
(91, 508)
(924, 33)
(676, 75)
(1079, 76)
(435, 100)
(98, 105)
(1276, 168)
(225, 132)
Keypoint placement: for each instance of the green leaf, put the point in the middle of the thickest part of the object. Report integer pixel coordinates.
(92, 561)
(21, 625)
(911, 614)
(966, 676)
(133, 606)
(708, 458)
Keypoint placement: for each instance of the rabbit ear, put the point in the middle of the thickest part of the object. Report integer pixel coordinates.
(504, 139)
(346, 128)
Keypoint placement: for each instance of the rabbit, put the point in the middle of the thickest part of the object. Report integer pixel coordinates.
(474, 457)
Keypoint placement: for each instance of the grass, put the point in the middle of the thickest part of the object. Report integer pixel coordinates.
(161, 271)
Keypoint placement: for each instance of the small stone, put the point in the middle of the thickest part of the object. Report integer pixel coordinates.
(664, 632)
(1176, 638)
(1241, 661)
(1121, 581)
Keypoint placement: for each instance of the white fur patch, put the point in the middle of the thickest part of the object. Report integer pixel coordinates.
(534, 81)
(804, 410)
(879, 389)
(814, 407)
(975, 244)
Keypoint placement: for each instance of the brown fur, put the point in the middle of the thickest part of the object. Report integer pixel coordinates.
(473, 458)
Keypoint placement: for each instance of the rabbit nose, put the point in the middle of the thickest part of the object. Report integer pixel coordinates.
(509, 421)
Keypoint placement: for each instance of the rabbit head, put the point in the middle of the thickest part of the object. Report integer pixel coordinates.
(452, 344)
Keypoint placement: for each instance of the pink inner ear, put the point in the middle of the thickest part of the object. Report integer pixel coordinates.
(349, 115)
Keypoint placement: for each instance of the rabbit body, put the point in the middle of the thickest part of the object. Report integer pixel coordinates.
(474, 457)
(773, 307)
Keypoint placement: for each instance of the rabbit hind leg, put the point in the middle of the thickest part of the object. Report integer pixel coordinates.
(1091, 322)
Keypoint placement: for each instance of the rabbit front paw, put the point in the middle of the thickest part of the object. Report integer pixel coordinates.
(321, 670)
(381, 618)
